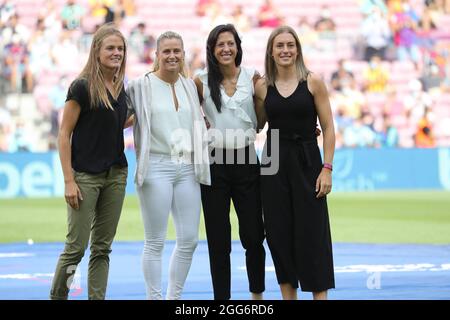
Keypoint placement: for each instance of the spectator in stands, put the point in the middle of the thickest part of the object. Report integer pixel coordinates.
(98, 8)
(388, 136)
(214, 16)
(296, 221)
(7, 10)
(404, 25)
(172, 161)
(39, 47)
(17, 67)
(240, 19)
(424, 137)
(14, 134)
(394, 103)
(117, 11)
(50, 15)
(110, 14)
(226, 91)
(4, 143)
(65, 53)
(394, 6)
(445, 5)
(326, 30)
(430, 78)
(142, 43)
(20, 140)
(15, 29)
(377, 34)
(91, 149)
(375, 76)
(367, 6)
(128, 7)
(342, 120)
(137, 37)
(72, 15)
(308, 36)
(359, 135)
(196, 63)
(57, 97)
(325, 23)
(367, 117)
(416, 101)
(6, 127)
(202, 7)
(149, 49)
(430, 15)
(269, 16)
(350, 99)
(342, 77)
(433, 12)
(446, 69)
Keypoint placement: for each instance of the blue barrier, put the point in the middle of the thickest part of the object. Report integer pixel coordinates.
(390, 169)
(40, 174)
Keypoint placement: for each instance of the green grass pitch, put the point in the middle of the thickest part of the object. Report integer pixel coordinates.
(358, 217)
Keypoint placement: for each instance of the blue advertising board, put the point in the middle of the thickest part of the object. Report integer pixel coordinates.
(40, 174)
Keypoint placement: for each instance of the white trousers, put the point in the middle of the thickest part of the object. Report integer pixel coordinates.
(169, 186)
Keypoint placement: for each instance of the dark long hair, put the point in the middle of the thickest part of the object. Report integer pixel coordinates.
(215, 76)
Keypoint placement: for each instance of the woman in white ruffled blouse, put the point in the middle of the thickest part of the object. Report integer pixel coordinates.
(226, 91)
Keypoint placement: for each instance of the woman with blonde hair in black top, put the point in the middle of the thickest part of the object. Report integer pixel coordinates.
(296, 221)
(91, 150)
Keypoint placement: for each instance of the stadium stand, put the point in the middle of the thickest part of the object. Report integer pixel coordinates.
(39, 50)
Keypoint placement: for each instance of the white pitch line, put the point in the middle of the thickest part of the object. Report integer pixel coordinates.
(26, 276)
(369, 268)
(16, 255)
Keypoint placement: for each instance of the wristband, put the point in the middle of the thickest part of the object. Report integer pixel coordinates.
(328, 166)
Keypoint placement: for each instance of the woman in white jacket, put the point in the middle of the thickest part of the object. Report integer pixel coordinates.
(172, 161)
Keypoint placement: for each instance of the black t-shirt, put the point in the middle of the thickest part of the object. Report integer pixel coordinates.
(97, 140)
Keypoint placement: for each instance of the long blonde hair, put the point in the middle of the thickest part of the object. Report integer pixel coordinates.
(170, 35)
(269, 63)
(92, 70)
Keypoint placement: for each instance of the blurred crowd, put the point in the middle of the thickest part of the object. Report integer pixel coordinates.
(400, 42)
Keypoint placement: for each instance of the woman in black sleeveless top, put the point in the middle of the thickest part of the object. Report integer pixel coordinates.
(294, 202)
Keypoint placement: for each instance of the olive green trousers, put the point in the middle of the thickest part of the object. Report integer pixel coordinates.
(97, 218)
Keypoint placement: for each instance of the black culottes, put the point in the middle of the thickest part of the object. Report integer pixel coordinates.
(296, 222)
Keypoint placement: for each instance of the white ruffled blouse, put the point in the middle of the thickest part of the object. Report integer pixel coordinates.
(235, 126)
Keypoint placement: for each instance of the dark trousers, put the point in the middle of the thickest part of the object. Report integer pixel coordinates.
(296, 222)
(240, 183)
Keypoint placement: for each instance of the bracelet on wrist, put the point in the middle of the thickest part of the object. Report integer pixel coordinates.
(328, 166)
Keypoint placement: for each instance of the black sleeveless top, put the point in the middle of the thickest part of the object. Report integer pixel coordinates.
(295, 114)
